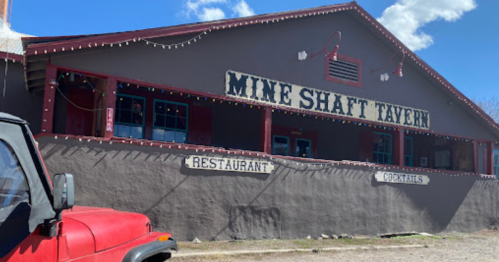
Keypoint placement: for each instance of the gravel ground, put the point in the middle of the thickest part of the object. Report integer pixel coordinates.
(481, 246)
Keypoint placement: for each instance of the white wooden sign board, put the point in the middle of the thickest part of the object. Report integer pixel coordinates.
(401, 178)
(229, 164)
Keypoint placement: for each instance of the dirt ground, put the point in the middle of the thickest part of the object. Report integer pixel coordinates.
(479, 246)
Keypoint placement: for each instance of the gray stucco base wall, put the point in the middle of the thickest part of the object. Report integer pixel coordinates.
(293, 202)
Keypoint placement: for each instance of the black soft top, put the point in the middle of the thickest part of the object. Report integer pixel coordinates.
(4, 117)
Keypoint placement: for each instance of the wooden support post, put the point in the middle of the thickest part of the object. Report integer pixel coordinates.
(489, 169)
(475, 155)
(399, 148)
(266, 137)
(110, 107)
(49, 99)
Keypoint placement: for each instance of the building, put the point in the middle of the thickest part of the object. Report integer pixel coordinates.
(271, 126)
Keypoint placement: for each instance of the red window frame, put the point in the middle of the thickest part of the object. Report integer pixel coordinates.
(343, 81)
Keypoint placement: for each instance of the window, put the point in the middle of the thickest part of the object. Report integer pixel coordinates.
(408, 151)
(303, 147)
(13, 184)
(129, 118)
(382, 151)
(170, 121)
(345, 70)
(496, 163)
(280, 145)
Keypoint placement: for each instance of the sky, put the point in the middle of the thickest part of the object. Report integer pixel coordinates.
(458, 38)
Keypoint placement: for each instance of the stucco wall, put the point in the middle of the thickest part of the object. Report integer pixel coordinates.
(270, 50)
(293, 202)
(18, 101)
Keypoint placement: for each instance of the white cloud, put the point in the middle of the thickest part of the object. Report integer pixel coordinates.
(207, 10)
(242, 9)
(211, 13)
(405, 18)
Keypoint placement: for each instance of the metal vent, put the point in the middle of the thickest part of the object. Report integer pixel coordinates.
(344, 70)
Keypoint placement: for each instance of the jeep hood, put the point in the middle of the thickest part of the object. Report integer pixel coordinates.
(109, 227)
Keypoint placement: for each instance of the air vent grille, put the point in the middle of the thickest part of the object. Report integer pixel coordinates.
(344, 70)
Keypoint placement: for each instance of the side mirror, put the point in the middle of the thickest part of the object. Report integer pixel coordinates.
(64, 192)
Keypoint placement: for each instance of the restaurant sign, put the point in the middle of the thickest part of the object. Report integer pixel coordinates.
(399, 178)
(273, 92)
(229, 164)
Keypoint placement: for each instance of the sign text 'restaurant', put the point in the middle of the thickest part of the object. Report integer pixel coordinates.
(256, 88)
(399, 178)
(229, 164)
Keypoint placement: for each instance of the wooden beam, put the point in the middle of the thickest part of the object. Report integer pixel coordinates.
(266, 137)
(489, 169)
(49, 99)
(398, 156)
(475, 154)
(110, 107)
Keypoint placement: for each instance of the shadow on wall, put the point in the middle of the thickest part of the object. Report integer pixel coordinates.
(293, 201)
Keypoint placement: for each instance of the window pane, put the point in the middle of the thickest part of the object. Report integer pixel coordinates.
(137, 111)
(180, 137)
(280, 146)
(159, 108)
(125, 116)
(136, 131)
(123, 131)
(181, 123)
(170, 136)
(125, 102)
(181, 110)
(159, 121)
(158, 134)
(13, 185)
(170, 122)
(170, 109)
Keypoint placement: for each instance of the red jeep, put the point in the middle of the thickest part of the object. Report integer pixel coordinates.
(39, 223)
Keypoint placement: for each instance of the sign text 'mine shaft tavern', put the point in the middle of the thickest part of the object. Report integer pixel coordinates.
(256, 88)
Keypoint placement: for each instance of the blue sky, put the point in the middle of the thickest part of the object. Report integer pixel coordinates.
(459, 38)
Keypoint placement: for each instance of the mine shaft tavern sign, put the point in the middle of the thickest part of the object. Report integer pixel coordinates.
(229, 164)
(272, 92)
(400, 178)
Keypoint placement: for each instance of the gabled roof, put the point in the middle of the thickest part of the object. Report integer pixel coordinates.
(44, 45)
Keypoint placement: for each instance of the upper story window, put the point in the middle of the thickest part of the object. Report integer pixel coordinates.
(130, 116)
(13, 184)
(382, 150)
(170, 121)
(345, 70)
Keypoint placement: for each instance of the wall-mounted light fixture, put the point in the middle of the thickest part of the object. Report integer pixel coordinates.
(302, 55)
(398, 70)
(334, 54)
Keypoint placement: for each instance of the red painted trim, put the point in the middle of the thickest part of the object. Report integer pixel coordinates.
(11, 57)
(475, 155)
(342, 81)
(198, 148)
(266, 136)
(399, 148)
(489, 169)
(49, 99)
(110, 103)
(92, 40)
(242, 101)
